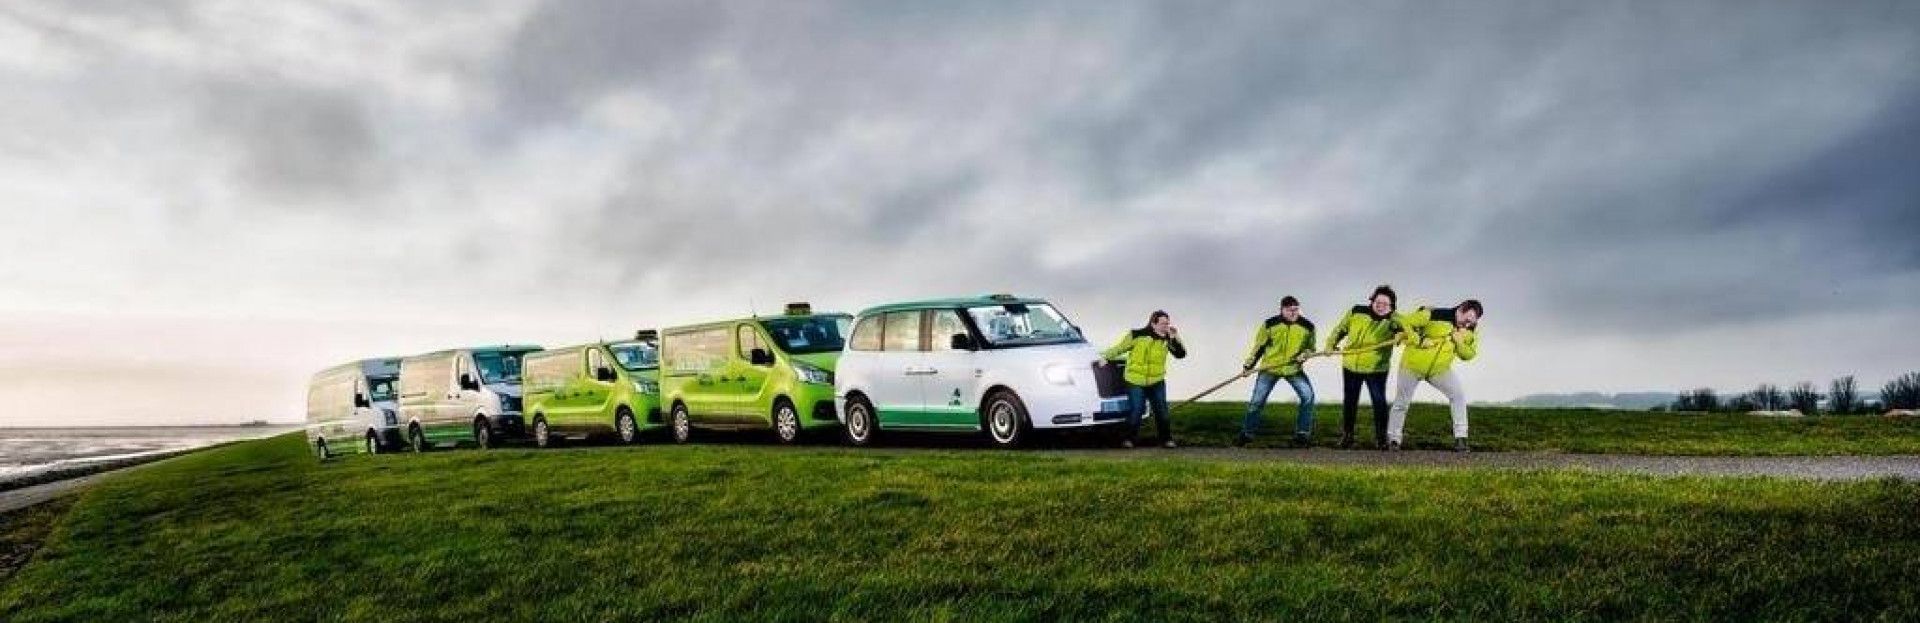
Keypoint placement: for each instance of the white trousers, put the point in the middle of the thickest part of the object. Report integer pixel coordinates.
(1447, 382)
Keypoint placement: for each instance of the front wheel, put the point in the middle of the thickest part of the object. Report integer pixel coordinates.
(416, 439)
(482, 433)
(861, 426)
(786, 422)
(542, 436)
(373, 442)
(682, 425)
(629, 430)
(1005, 419)
(320, 449)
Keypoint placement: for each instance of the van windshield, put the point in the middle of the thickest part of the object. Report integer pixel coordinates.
(1024, 324)
(498, 366)
(635, 356)
(382, 388)
(809, 334)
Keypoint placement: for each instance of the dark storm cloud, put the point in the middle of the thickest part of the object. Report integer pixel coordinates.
(296, 142)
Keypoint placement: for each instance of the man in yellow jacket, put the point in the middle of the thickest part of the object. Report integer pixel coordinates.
(1435, 337)
(1278, 346)
(1145, 350)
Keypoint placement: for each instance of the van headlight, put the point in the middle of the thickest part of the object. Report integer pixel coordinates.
(645, 386)
(1057, 374)
(810, 374)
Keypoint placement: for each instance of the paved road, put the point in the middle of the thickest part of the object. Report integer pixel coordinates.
(21, 498)
(1805, 467)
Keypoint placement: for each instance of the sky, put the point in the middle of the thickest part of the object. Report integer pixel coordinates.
(202, 203)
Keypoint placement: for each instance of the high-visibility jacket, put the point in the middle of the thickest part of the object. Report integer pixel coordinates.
(1146, 355)
(1277, 342)
(1360, 328)
(1434, 342)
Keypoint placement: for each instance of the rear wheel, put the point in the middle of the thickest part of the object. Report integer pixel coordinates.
(416, 439)
(862, 427)
(623, 423)
(786, 422)
(1005, 419)
(542, 436)
(482, 433)
(373, 442)
(682, 424)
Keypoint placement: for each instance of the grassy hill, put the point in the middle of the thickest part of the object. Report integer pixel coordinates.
(260, 531)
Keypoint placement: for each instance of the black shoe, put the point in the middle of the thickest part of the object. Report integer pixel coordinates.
(1242, 441)
(1460, 445)
(1380, 443)
(1346, 441)
(1393, 446)
(1301, 441)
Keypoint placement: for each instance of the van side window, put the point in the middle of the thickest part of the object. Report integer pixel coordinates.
(695, 352)
(902, 331)
(866, 335)
(749, 340)
(946, 324)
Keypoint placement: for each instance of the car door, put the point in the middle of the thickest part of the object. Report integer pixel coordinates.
(598, 388)
(949, 376)
(898, 378)
(749, 379)
(703, 356)
(465, 399)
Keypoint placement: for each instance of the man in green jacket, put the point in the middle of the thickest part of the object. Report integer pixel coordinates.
(1365, 325)
(1435, 337)
(1278, 347)
(1145, 350)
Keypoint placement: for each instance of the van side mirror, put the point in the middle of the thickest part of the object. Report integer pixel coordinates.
(760, 357)
(467, 382)
(604, 374)
(961, 341)
(360, 401)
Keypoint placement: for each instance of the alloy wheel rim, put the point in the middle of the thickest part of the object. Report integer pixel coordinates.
(857, 423)
(681, 427)
(626, 428)
(540, 432)
(789, 423)
(1002, 421)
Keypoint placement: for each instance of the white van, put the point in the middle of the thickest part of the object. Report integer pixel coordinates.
(1001, 363)
(352, 408)
(462, 394)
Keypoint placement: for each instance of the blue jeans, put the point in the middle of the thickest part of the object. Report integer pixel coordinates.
(1263, 386)
(1137, 398)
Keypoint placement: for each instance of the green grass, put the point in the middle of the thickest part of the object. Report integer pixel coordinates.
(260, 531)
(1575, 430)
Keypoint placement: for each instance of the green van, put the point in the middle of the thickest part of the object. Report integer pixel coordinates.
(753, 373)
(605, 387)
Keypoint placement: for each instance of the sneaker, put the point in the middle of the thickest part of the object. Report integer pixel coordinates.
(1346, 441)
(1302, 441)
(1393, 446)
(1242, 441)
(1380, 443)
(1460, 445)
(1128, 444)
(1169, 444)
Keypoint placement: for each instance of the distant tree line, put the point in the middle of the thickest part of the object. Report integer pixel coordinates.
(1842, 397)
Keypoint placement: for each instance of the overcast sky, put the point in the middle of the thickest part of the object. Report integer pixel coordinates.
(201, 203)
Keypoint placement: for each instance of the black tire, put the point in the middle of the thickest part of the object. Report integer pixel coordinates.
(626, 426)
(1005, 419)
(786, 422)
(542, 435)
(482, 433)
(320, 449)
(862, 425)
(416, 439)
(682, 424)
(373, 442)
